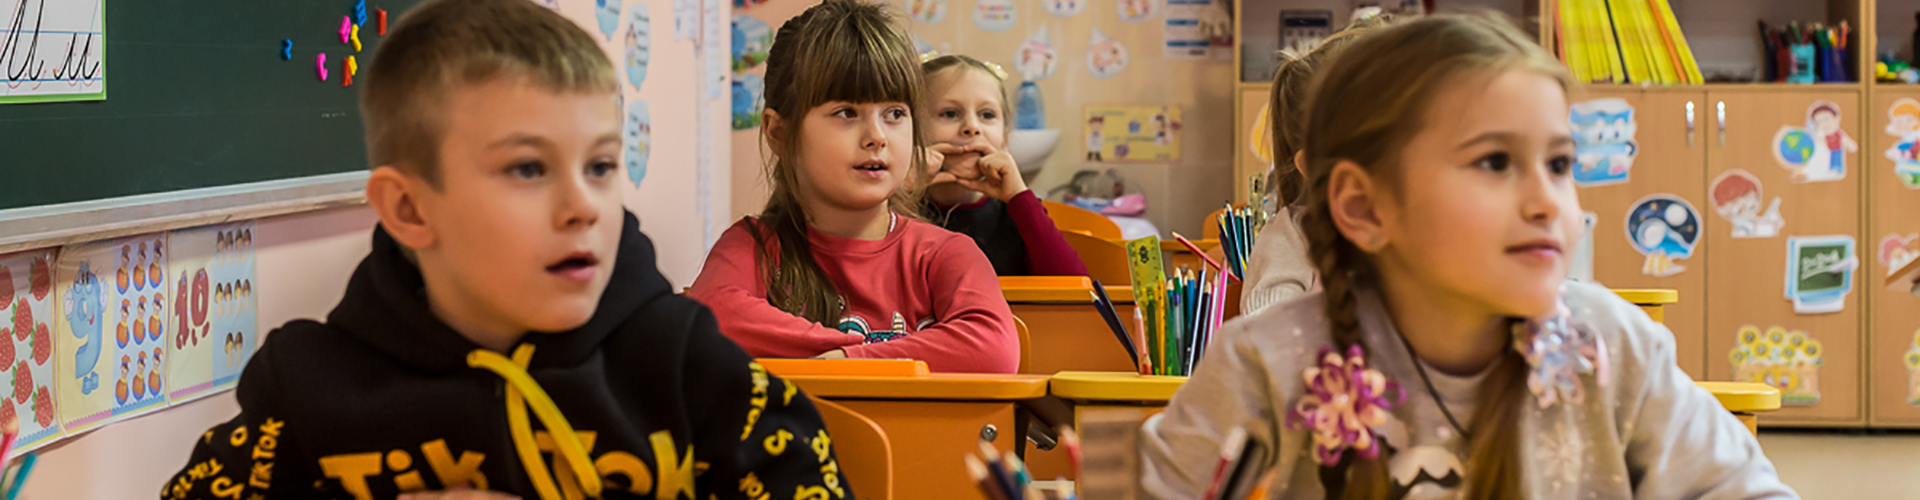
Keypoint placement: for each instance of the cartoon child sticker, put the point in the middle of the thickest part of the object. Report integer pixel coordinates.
(1603, 141)
(1063, 8)
(1904, 123)
(1664, 228)
(1093, 137)
(1106, 56)
(1818, 152)
(1035, 58)
(1736, 197)
(1897, 251)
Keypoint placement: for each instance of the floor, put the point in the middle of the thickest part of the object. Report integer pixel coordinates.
(1846, 464)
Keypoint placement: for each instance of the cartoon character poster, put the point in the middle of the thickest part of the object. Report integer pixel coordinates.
(1133, 133)
(927, 11)
(607, 14)
(1035, 59)
(26, 346)
(1064, 8)
(1737, 197)
(747, 102)
(213, 319)
(113, 296)
(1106, 56)
(1604, 147)
(1818, 151)
(752, 40)
(1664, 228)
(1819, 273)
(639, 44)
(994, 16)
(1904, 125)
(1136, 11)
(1897, 251)
(1787, 360)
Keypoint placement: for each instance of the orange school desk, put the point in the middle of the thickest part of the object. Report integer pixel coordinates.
(931, 421)
(1653, 301)
(1067, 331)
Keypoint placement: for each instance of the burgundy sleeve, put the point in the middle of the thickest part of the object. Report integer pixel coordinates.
(1047, 252)
(730, 285)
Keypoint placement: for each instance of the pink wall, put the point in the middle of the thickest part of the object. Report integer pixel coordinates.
(304, 261)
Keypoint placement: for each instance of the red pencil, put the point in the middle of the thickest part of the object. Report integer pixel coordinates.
(1203, 255)
(8, 430)
(1071, 440)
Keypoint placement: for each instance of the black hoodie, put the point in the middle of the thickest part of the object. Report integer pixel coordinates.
(385, 398)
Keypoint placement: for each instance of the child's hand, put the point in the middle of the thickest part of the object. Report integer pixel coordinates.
(998, 177)
(959, 162)
(459, 495)
(833, 354)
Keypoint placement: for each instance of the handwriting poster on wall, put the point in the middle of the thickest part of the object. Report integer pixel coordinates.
(53, 51)
(1133, 133)
(1820, 273)
(26, 346)
(113, 314)
(212, 326)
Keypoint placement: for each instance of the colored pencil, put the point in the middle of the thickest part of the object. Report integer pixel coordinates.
(997, 469)
(20, 478)
(983, 479)
(1140, 338)
(1203, 255)
(1230, 449)
(1100, 302)
(1071, 440)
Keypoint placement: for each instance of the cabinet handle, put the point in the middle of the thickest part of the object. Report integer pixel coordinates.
(1720, 110)
(1689, 124)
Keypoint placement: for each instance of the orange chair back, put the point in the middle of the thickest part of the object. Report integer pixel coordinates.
(1071, 218)
(1106, 260)
(862, 447)
(1026, 343)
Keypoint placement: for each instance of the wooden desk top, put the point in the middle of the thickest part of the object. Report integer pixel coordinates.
(1115, 386)
(1648, 297)
(1744, 396)
(1058, 289)
(937, 387)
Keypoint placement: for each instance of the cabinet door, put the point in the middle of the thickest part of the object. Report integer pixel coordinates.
(1893, 201)
(1766, 130)
(1250, 100)
(1666, 162)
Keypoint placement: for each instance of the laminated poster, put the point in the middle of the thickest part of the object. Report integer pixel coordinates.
(1820, 273)
(1106, 56)
(1816, 152)
(53, 50)
(1603, 144)
(927, 11)
(1664, 228)
(1737, 197)
(1787, 360)
(26, 346)
(748, 91)
(1136, 11)
(994, 16)
(1197, 30)
(639, 44)
(637, 136)
(607, 14)
(1897, 251)
(212, 315)
(1904, 126)
(1133, 133)
(1064, 8)
(113, 298)
(752, 40)
(1035, 58)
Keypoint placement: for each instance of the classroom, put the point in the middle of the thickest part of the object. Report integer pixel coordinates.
(1133, 193)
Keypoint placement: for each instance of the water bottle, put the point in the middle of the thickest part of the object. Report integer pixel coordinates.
(1030, 114)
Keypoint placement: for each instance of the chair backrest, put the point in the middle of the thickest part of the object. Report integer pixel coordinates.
(1026, 343)
(1071, 218)
(862, 447)
(1106, 261)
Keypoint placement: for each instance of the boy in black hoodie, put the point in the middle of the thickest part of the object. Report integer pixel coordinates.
(509, 332)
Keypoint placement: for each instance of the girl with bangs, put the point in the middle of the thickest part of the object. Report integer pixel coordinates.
(839, 263)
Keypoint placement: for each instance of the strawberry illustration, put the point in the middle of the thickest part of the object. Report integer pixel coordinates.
(22, 383)
(43, 407)
(6, 285)
(41, 277)
(6, 351)
(22, 317)
(42, 345)
(6, 411)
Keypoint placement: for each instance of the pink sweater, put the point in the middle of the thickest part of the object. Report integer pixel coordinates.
(922, 292)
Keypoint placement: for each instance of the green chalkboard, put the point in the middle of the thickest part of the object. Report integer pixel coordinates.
(197, 95)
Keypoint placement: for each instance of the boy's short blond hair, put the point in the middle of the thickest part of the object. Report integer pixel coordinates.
(442, 44)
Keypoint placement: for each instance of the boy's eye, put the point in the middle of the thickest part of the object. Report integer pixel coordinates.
(601, 169)
(1496, 162)
(527, 170)
(1560, 165)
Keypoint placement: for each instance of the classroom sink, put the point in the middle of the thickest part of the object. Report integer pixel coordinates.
(1031, 147)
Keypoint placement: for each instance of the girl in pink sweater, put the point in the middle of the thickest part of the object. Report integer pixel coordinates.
(839, 264)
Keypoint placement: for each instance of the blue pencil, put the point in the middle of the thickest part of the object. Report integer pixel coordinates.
(20, 478)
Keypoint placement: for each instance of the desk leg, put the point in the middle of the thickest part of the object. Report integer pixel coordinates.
(1656, 311)
(930, 438)
(1752, 421)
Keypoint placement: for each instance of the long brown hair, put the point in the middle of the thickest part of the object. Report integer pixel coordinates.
(1366, 106)
(1287, 106)
(840, 50)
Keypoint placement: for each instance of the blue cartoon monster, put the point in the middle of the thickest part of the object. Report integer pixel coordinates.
(608, 13)
(856, 325)
(84, 318)
(1604, 147)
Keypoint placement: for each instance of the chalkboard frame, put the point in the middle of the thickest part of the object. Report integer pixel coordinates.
(54, 225)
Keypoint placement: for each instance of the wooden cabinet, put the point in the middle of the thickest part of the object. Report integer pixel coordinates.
(1248, 100)
(1747, 277)
(1666, 162)
(1893, 208)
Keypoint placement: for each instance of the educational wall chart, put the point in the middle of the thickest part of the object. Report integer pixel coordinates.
(994, 16)
(748, 90)
(637, 136)
(1820, 273)
(1604, 147)
(1133, 133)
(1787, 360)
(639, 44)
(53, 51)
(1197, 30)
(212, 326)
(1665, 228)
(1736, 196)
(1904, 124)
(1106, 56)
(26, 346)
(752, 40)
(113, 296)
(606, 13)
(1816, 152)
(713, 33)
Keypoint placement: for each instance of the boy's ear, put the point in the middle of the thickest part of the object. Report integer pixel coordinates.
(1354, 199)
(394, 195)
(771, 129)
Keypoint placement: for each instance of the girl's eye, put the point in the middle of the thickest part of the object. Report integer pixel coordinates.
(897, 114)
(1496, 162)
(845, 113)
(988, 115)
(1560, 165)
(527, 170)
(949, 114)
(601, 169)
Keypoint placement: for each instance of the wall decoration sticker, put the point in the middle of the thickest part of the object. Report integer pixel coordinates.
(1737, 195)
(1665, 228)
(1819, 273)
(1818, 151)
(1904, 124)
(1787, 360)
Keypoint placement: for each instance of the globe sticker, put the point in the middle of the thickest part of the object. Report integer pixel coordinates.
(1665, 228)
(1817, 151)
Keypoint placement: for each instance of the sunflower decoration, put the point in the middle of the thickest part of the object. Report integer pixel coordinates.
(1750, 335)
(1812, 351)
(1781, 378)
(1739, 355)
(1787, 354)
(1916, 338)
(1913, 359)
(1796, 339)
(1776, 336)
(1762, 352)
